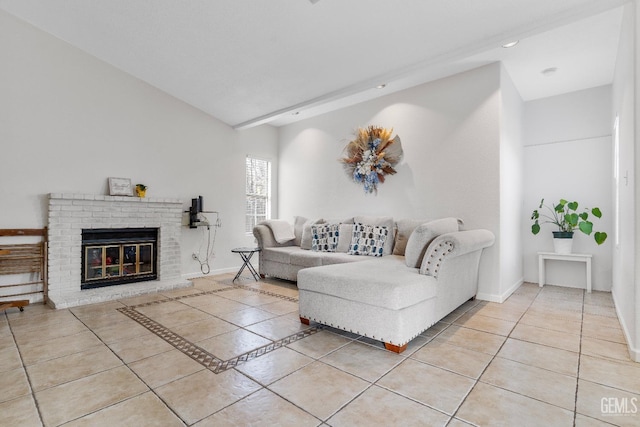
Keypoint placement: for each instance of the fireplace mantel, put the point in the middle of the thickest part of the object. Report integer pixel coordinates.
(69, 214)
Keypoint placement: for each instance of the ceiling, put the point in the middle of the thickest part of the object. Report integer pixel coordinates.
(249, 62)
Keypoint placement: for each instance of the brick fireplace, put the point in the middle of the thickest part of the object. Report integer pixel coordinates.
(70, 214)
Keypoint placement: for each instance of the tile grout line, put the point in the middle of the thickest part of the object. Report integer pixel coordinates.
(375, 383)
(314, 359)
(125, 364)
(32, 393)
(575, 401)
(477, 380)
(150, 389)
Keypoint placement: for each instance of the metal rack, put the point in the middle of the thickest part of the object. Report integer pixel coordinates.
(20, 259)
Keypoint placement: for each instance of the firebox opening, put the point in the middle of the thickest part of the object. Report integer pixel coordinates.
(118, 256)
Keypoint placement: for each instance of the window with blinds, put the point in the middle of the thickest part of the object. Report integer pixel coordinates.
(258, 205)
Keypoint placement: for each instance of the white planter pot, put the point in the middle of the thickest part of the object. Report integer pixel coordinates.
(562, 242)
(562, 246)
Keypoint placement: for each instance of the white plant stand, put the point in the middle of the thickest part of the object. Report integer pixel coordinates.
(542, 256)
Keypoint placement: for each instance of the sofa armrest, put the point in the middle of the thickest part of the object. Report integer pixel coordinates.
(265, 239)
(451, 245)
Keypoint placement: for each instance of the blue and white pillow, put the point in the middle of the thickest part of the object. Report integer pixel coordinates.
(368, 239)
(325, 237)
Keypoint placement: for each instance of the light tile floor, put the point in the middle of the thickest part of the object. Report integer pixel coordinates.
(552, 357)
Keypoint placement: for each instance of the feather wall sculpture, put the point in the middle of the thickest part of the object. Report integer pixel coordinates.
(371, 156)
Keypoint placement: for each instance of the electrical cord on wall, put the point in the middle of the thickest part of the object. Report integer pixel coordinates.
(205, 268)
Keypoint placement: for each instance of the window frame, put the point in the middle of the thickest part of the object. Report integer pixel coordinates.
(254, 218)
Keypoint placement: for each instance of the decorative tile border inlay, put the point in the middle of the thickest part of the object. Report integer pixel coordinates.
(263, 292)
(201, 355)
(198, 354)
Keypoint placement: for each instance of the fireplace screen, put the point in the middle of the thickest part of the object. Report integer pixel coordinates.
(112, 257)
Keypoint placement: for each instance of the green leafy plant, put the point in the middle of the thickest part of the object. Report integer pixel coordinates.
(566, 216)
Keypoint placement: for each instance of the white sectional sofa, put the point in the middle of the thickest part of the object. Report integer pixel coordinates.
(423, 270)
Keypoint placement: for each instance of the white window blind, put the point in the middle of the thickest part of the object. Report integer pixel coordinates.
(258, 205)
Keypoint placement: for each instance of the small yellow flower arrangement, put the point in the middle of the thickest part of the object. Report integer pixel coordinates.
(141, 190)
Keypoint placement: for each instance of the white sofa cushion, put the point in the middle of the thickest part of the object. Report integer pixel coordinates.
(329, 258)
(385, 282)
(404, 229)
(304, 258)
(339, 221)
(382, 221)
(344, 240)
(298, 225)
(279, 254)
(423, 235)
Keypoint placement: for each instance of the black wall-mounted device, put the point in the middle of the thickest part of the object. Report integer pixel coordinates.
(196, 208)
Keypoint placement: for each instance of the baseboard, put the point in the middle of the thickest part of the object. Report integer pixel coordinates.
(634, 352)
(500, 298)
(195, 274)
(488, 297)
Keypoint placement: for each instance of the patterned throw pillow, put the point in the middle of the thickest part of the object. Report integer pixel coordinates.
(325, 237)
(380, 221)
(368, 239)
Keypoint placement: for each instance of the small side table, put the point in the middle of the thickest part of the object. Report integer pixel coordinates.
(246, 254)
(542, 256)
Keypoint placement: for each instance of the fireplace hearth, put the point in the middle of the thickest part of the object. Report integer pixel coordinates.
(118, 256)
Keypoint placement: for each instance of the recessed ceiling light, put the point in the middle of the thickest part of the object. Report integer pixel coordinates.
(510, 44)
(549, 71)
(381, 86)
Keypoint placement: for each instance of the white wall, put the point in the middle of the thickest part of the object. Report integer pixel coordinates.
(633, 332)
(568, 154)
(626, 286)
(69, 121)
(451, 139)
(511, 185)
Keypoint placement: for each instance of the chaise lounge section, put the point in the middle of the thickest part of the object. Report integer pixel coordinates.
(387, 301)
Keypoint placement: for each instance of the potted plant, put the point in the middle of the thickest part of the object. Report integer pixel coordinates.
(141, 190)
(567, 218)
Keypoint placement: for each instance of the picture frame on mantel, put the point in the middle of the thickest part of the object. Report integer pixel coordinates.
(120, 187)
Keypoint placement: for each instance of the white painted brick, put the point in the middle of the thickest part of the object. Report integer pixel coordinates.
(70, 213)
(70, 208)
(81, 214)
